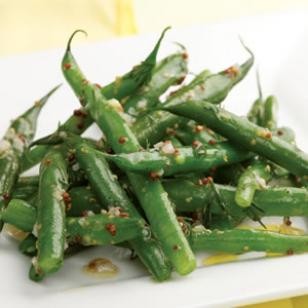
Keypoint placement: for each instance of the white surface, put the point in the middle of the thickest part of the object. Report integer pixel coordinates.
(280, 44)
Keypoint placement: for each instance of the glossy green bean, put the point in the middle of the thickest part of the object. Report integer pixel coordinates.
(242, 241)
(270, 113)
(13, 145)
(103, 229)
(27, 181)
(33, 156)
(189, 196)
(121, 87)
(242, 132)
(24, 192)
(152, 197)
(20, 214)
(51, 212)
(151, 127)
(110, 193)
(170, 160)
(255, 177)
(83, 200)
(118, 134)
(169, 71)
(194, 134)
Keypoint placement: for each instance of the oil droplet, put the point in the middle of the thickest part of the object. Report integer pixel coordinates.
(279, 228)
(284, 229)
(274, 254)
(14, 232)
(219, 258)
(101, 268)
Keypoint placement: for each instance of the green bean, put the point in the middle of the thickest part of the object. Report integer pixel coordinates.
(194, 134)
(103, 182)
(242, 132)
(259, 172)
(13, 145)
(109, 192)
(120, 137)
(232, 241)
(232, 174)
(34, 275)
(189, 196)
(110, 227)
(256, 112)
(27, 181)
(51, 212)
(98, 229)
(270, 113)
(121, 87)
(24, 192)
(170, 160)
(77, 124)
(151, 127)
(103, 229)
(252, 179)
(170, 71)
(81, 200)
(29, 248)
(21, 214)
(152, 197)
(33, 157)
(242, 241)
(199, 78)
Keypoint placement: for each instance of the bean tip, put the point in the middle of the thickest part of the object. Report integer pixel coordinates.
(246, 47)
(68, 48)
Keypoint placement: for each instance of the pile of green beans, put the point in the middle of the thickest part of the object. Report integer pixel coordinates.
(175, 173)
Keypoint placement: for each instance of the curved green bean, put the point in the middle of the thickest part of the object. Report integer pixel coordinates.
(152, 127)
(121, 87)
(152, 197)
(242, 132)
(169, 71)
(13, 145)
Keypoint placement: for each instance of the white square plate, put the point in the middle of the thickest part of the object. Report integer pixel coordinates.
(280, 43)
